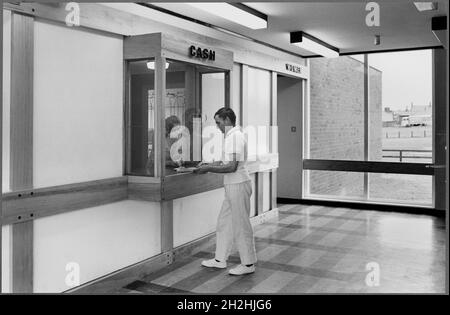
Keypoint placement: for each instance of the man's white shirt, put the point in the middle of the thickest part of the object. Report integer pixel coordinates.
(235, 143)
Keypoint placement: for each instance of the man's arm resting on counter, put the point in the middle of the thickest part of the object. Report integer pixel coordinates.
(230, 167)
(219, 167)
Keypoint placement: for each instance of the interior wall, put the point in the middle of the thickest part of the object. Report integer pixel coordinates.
(6, 98)
(196, 215)
(78, 105)
(289, 114)
(99, 240)
(259, 105)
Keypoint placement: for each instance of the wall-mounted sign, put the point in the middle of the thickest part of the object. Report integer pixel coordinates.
(204, 53)
(293, 68)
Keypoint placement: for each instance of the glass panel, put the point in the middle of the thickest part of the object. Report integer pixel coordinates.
(336, 111)
(401, 107)
(142, 118)
(336, 185)
(400, 188)
(193, 94)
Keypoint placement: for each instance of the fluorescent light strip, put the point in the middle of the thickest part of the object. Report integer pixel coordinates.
(315, 47)
(151, 65)
(232, 13)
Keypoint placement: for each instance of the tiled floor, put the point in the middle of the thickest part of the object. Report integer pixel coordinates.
(314, 249)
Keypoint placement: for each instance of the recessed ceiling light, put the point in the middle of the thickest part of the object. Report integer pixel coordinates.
(312, 44)
(235, 12)
(426, 6)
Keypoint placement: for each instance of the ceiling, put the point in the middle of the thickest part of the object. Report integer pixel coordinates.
(340, 24)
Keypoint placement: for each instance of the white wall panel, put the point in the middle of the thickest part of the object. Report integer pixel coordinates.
(78, 105)
(196, 216)
(259, 103)
(99, 239)
(6, 258)
(266, 190)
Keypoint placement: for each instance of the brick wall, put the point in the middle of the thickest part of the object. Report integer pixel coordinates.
(337, 121)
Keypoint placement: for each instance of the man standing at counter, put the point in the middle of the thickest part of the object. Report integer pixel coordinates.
(233, 224)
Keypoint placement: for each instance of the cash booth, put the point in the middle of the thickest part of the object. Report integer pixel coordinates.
(97, 110)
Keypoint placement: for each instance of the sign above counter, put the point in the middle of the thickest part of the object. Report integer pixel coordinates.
(204, 53)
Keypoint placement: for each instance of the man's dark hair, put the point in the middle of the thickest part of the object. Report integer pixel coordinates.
(225, 112)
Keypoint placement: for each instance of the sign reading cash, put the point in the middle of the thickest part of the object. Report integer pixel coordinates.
(198, 52)
(293, 68)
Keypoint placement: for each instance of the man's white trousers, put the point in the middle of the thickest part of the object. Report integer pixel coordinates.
(233, 224)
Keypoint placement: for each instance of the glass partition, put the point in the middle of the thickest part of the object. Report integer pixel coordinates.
(193, 94)
(141, 140)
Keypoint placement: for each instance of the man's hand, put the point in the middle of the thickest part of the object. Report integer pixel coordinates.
(202, 169)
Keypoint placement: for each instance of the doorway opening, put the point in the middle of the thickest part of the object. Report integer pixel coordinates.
(290, 137)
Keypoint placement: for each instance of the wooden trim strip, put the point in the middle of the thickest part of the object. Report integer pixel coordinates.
(182, 185)
(367, 166)
(30, 204)
(22, 257)
(166, 226)
(21, 145)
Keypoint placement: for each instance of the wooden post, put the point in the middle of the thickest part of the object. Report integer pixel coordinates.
(166, 226)
(21, 146)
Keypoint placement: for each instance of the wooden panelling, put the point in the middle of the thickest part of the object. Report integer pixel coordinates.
(178, 48)
(30, 204)
(142, 46)
(159, 132)
(21, 146)
(22, 257)
(100, 17)
(166, 225)
(182, 185)
(144, 191)
(370, 167)
(21, 143)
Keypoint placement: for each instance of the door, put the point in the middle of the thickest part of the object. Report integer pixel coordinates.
(289, 117)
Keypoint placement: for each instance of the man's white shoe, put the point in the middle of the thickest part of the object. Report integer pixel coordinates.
(212, 263)
(242, 270)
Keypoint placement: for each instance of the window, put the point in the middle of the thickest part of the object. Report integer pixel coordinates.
(141, 139)
(375, 112)
(192, 95)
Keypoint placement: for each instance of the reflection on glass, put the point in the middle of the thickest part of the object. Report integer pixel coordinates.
(142, 119)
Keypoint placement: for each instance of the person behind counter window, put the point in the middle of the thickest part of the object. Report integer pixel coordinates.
(233, 223)
(170, 122)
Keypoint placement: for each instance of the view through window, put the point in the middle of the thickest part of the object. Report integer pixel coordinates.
(398, 127)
